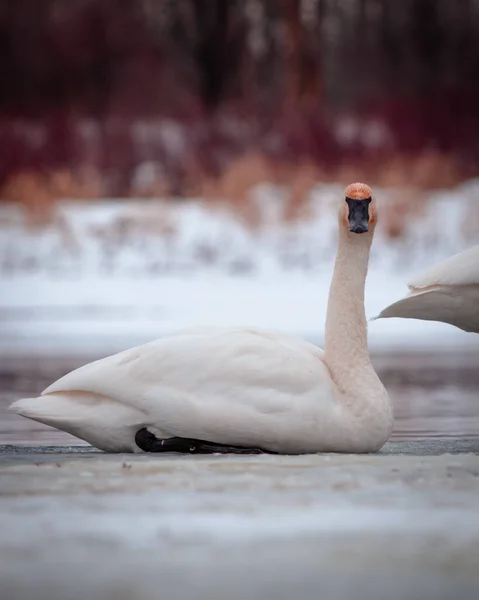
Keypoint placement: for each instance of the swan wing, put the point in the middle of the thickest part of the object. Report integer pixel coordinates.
(447, 292)
(456, 305)
(457, 270)
(214, 384)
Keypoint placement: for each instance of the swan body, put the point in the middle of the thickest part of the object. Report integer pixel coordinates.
(448, 292)
(242, 387)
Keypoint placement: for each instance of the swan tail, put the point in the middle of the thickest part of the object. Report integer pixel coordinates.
(98, 420)
(51, 410)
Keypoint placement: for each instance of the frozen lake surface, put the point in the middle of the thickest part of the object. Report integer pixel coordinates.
(394, 525)
(77, 523)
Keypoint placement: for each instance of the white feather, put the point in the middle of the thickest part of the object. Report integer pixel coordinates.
(448, 292)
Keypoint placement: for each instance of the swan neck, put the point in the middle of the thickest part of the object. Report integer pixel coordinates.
(346, 348)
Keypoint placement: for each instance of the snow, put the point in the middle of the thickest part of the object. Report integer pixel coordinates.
(142, 309)
(107, 272)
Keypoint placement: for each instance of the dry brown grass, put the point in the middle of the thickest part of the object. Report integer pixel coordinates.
(38, 192)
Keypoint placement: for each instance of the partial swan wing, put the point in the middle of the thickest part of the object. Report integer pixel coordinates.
(459, 269)
(448, 292)
(206, 380)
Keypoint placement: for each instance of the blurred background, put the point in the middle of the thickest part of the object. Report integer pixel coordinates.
(166, 163)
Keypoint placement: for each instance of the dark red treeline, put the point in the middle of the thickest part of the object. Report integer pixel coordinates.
(192, 85)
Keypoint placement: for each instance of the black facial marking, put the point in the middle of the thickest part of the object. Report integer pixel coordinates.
(358, 215)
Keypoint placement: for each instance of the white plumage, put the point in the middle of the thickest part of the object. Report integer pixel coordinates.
(448, 292)
(239, 386)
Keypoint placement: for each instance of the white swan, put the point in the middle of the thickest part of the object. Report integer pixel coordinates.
(448, 292)
(239, 389)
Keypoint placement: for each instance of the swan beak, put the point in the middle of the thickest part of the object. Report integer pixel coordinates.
(358, 217)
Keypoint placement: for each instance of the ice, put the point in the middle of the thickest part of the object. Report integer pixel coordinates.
(214, 527)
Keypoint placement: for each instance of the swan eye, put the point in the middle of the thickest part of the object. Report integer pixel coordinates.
(358, 217)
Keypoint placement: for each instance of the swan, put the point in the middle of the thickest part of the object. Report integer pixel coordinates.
(447, 292)
(239, 389)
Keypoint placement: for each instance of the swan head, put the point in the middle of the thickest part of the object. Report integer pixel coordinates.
(358, 213)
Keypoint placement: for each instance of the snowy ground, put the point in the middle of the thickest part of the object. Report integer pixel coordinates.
(106, 273)
(401, 524)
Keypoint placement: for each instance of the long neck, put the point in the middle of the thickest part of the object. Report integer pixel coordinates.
(346, 349)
